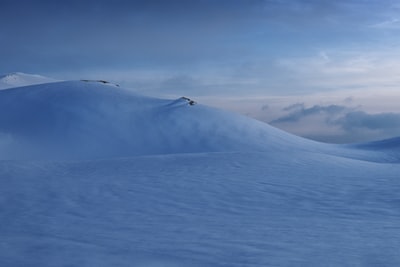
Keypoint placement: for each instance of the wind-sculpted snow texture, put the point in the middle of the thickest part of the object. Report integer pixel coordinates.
(219, 209)
(95, 175)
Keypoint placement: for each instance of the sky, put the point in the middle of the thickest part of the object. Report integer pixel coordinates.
(327, 70)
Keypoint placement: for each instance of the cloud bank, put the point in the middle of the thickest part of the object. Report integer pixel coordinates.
(338, 123)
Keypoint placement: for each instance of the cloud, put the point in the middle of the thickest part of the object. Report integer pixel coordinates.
(359, 120)
(297, 106)
(338, 123)
(299, 111)
(360, 126)
(393, 23)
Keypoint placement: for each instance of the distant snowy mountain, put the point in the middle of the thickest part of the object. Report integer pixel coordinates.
(18, 79)
(92, 174)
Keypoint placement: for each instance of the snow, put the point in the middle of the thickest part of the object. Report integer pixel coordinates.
(206, 209)
(82, 120)
(96, 175)
(18, 79)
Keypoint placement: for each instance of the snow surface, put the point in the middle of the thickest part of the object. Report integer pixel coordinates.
(18, 79)
(95, 175)
(86, 120)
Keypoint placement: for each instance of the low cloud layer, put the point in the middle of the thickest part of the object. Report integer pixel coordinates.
(362, 120)
(299, 111)
(338, 123)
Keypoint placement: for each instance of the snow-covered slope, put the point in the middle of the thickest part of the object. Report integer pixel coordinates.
(166, 183)
(92, 120)
(18, 79)
(205, 209)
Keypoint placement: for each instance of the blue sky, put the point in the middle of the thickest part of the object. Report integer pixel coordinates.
(242, 55)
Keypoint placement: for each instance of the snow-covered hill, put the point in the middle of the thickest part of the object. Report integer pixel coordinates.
(92, 120)
(77, 119)
(95, 175)
(18, 79)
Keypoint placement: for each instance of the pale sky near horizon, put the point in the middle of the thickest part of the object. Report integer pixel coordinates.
(327, 70)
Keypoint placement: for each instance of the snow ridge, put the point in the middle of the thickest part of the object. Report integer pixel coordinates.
(17, 79)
